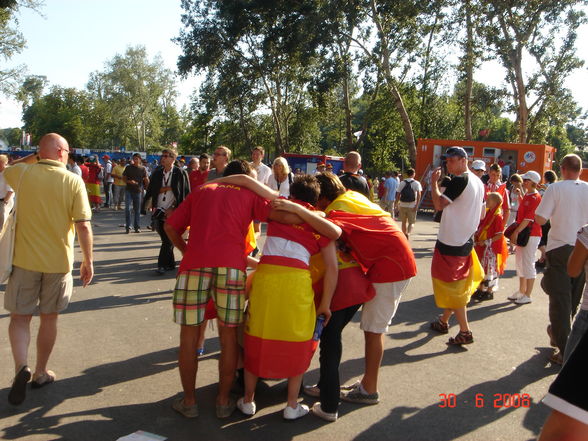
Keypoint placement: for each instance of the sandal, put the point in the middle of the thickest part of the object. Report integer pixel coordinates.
(556, 358)
(440, 326)
(43, 380)
(463, 338)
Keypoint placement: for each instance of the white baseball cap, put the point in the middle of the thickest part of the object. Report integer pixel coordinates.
(479, 165)
(532, 176)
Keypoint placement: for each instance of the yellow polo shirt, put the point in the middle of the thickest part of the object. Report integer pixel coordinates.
(118, 170)
(50, 199)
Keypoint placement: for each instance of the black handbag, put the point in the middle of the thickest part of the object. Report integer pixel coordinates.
(523, 237)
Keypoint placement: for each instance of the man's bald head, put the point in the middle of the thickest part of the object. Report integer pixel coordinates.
(352, 162)
(53, 146)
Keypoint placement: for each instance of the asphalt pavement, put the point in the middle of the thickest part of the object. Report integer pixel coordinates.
(116, 364)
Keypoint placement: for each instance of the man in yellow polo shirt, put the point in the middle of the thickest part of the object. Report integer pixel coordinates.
(52, 207)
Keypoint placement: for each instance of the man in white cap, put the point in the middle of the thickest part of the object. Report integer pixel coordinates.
(478, 168)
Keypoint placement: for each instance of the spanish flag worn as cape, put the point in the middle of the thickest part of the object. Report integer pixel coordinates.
(492, 224)
(377, 244)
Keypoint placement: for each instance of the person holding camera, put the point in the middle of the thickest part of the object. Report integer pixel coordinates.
(168, 187)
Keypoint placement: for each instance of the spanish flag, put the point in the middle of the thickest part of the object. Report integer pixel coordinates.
(377, 244)
(278, 331)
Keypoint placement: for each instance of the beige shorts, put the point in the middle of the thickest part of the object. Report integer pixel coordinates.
(30, 291)
(407, 213)
(377, 313)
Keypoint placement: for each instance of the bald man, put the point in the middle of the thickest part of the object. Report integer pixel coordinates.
(350, 179)
(52, 206)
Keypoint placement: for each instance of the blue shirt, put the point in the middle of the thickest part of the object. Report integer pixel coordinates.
(391, 184)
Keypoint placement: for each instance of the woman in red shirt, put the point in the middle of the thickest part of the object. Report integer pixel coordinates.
(525, 255)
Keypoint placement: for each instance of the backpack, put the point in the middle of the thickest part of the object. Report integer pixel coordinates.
(407, 194)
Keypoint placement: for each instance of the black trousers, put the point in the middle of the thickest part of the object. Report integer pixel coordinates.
(564, 292)
(107, 193)
(166, 257)
(330, 358)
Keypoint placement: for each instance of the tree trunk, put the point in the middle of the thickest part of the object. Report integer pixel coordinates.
(516, 59)
(469, 67)
(406, 124)
(347, 110)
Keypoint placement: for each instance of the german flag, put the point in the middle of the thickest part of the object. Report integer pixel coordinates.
(456, 273)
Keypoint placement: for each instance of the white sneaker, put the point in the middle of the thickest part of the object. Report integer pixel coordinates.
(246, 408)
(319, 412)
(294, 414)
(515, 295)
(523, 300)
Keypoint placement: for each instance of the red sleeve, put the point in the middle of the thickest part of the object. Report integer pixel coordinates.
(180, 218)
(261, 209)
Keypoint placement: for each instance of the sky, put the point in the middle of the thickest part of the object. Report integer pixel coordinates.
(74, 38)
(70, 39)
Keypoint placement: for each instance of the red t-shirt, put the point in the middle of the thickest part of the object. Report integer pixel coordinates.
(197, 178)
(527, 212)
(218, 216)
(85, 172)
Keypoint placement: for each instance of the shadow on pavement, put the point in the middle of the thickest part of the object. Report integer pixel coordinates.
(444, 424)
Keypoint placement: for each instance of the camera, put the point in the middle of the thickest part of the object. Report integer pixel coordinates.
(158, 214)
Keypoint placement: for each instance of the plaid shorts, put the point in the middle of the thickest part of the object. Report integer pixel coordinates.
(194, 287)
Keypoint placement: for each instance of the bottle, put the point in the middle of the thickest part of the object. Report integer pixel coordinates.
(318, 327)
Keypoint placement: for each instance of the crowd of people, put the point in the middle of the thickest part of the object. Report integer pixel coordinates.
(329, 251)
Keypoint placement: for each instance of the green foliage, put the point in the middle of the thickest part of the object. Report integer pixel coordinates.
(11, 136)
(136, 99)
(62, 110)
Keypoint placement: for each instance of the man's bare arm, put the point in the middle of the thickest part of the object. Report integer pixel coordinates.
(540, 220)
(29, 159)
(86, 241)
(175, 238)
(249, 183)
(439, 202)
(315, 220)
(329, 254)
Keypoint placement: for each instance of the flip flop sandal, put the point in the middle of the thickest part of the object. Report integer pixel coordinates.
(43, 380)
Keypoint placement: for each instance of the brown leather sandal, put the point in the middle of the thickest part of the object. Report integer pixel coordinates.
(463, 338)
(440, 326)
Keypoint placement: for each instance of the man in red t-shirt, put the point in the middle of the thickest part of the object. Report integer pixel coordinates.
(213, 265)
(200, 175)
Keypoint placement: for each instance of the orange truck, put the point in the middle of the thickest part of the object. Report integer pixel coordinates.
(519, 157)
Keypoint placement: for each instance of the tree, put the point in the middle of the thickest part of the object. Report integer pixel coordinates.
(398, 29)
(12, 42)
(137, 94)
(545, 32)
(62, 110)
(31, 90)
(268, 47)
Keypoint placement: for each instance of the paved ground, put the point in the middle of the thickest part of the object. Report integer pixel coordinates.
(116, 364)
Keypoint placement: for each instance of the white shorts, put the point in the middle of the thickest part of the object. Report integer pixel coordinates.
(525, 258)
(377, 313)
